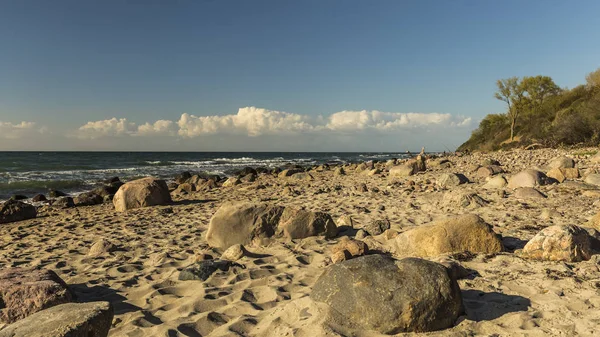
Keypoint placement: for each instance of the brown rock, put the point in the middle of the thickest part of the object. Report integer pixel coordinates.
(560, 243)
(142, 193)
(13, 210)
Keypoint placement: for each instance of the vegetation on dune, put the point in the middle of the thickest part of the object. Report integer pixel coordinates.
(538, 111)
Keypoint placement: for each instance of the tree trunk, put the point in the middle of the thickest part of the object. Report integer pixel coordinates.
(512, 129)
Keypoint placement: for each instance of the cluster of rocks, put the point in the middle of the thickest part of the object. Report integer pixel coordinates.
(37, 302)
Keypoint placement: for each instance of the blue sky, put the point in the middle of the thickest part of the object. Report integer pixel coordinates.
(87, 75)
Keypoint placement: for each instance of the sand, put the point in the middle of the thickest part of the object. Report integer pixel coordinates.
(506, 295)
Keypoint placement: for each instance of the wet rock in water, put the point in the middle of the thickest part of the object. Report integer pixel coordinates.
(376, 292)
(234, 253)
(451, 179)
(561, 162)
(527, 178)
(38, 198)
(24, 291)
(63, 202)
(88, 199)
(528, 193)
(463, 233)
(18, 197)
(56, 194)
(593, 179)
(495, 182)
(243, 223)
(202, 270)
(560, 243)
(377, 227)
(92, 319)
(13, 210)
(142, 193)
(100, 247)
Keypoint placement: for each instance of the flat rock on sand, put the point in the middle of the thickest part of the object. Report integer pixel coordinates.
(463, 233)
(66, 320)
(390, 296)
(142, 193)
(24, 291)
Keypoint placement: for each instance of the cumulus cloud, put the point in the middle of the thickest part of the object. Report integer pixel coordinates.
(383, 121)
(15, 131)
(249, 120)
(108, 127)
(160, 127)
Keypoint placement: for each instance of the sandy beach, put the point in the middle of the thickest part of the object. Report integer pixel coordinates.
(267, 292)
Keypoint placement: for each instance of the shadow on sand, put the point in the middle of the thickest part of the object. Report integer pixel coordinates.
(102, 293)
(482, 306)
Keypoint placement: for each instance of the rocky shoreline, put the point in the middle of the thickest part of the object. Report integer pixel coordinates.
(507, 242)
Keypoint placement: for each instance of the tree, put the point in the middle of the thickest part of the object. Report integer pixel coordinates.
(593, 79)
(512, 92)
(538, 88)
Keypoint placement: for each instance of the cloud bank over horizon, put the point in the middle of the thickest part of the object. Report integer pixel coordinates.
(250, 129)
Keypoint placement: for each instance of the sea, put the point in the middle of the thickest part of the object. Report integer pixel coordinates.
(29, 173)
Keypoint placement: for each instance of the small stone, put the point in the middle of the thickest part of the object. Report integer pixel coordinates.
(234, 253)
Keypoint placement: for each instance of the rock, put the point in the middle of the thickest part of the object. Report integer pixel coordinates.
(100, 247)
(528, 193)
(111, 180)
(527, 178)
(375, 292)
(490, 162)
(248, 178)
(246, 171)
(561, 162)
(243, 223)
(361, 167)
(340, 171)
(495, 182)
(299, 224)
(202, 270)
(456, 270)
(142, 193)
(195, 180)
(183, 177)
(303, 176)
(488, 171)
(13, 210)
(373, 172)
(451, 179)
(234, 253)
(88, 199)
(362, 187)
(568, 243)
(361, 234)
(18, 197)
(38, 198)
(438, 162)
(345, 220)
(377, 227)
(110, 189)
(288, 172)
(24, 291)
(562, 174)
(63, 202)
(91, 319)
(347, 249)
(56, 194)
(593, 179)
(185, 187)
(463, 199)
(463, 233)
(403, 170)
(232, 181)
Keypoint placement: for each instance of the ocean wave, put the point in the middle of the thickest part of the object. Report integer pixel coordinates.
(35, 185)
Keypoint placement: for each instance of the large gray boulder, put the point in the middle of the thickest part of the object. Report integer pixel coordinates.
(376, 292)
(13, 210)
(245, 223)
(561, 162)
(463, 233)
(91, 319)
(24, 291)
(527, 178)
(142, 193)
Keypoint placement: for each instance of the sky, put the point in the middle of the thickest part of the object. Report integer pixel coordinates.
(336, 75)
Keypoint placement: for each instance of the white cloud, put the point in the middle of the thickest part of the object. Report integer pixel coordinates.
(108, 127)
(16, 131)
(249, 120)
(160, 127)
(383, 121)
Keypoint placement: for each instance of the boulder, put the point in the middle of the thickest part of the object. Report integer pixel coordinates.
(490, 162)
(100, 247)
(24, 291)
(63, 202)
(568, 243)
(185, 187)
(303, 176)
(495, 182)
(202, 270)
(245, 223)
(18, 197)
(561, 162)
(376, 292)
(527, 178)
(246, 171)
(231, 181)
(183, 177)
(562, 174)
(339, 171)
(38, 198)
(109, 189)
(288, 172)
(593, 179)
(13, 210)
(56, 194)
(88, 199)
(528, 193)
(488, 171)
(347, 249)
(403, 170)
(142, 193)
(463, 233)
(92, 319)
(463, 199)
(361, 167)
(377, 227)
(451, 179)
(248, 178)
